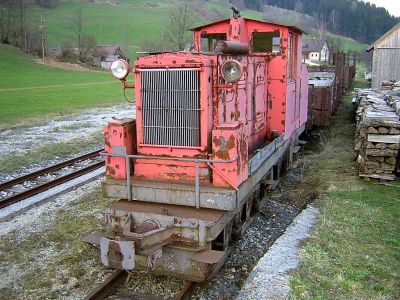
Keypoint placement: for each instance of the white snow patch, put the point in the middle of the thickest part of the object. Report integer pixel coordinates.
(21, 139)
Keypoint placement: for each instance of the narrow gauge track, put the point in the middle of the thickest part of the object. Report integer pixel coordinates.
(111, 284)
(25, 186)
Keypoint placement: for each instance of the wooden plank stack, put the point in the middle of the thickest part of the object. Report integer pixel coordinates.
(322, 97)
(377, 140)
(327, 85)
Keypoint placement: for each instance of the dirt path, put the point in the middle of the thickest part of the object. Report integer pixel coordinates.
(64, 65)
(55, 86)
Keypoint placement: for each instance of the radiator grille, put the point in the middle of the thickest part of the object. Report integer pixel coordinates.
(170, 107)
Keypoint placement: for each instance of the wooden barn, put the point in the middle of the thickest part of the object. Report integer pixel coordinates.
(104, 55)
(386, 57)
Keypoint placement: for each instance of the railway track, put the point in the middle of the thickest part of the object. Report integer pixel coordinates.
(25, 186)
(118, 278)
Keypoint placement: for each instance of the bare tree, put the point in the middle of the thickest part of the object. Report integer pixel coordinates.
(79, 27)
(181, 19)
(320, 36)
(154, 45)
(125, 37)
(88, 45)
(10, 28)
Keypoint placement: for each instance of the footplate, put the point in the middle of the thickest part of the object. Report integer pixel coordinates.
(117, 254)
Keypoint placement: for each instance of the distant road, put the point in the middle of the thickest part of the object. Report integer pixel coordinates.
(55, 86)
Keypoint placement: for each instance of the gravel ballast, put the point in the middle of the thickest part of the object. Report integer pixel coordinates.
(270, 279)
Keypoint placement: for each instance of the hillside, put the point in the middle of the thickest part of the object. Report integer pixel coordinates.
(128, 23)
(362, 21)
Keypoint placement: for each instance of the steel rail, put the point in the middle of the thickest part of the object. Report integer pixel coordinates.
(111, 283)
(107, 287)
(49, 184)
(47, 170)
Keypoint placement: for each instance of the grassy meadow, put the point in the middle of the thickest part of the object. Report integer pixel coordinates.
(30, 91)
(354, 253)
(129, 22)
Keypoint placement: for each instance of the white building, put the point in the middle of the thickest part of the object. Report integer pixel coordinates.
(313, 50)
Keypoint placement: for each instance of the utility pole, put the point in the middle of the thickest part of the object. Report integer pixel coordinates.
(42, 31)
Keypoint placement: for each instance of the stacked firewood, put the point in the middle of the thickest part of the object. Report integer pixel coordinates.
(377, 140)
(391, 85)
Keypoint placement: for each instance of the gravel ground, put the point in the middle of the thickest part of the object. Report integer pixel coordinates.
(56, 265)
(276, 213)
(19, 140)
(41, 253)
(270, 278)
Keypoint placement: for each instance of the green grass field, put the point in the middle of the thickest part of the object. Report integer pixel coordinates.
(354, 252)
(30, 91)
(108, 23)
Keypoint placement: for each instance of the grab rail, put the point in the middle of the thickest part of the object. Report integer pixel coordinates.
(120, 151)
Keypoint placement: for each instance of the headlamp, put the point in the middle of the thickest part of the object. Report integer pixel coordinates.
(120, 69)
(232, 70)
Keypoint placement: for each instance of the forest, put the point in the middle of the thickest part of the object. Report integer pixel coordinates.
(361, 21)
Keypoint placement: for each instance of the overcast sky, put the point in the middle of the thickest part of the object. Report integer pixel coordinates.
(393, 6)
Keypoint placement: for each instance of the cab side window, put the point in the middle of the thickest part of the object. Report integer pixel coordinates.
(264, 42)
(208, 41)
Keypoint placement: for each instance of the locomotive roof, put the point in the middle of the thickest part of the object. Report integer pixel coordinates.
(247, 19)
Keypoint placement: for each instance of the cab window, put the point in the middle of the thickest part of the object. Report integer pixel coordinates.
(208, 41)
(263, 41)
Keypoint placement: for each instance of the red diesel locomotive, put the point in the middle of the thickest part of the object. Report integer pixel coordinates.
(210, 125)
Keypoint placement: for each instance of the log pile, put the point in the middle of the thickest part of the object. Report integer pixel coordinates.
(377, 140)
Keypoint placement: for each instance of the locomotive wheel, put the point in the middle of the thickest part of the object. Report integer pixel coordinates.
(228, 235)
(255, 208)
(237, 227)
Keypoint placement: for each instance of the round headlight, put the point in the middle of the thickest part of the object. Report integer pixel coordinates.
(120, 69)
(232, 70)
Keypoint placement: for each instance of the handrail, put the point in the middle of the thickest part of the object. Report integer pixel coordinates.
(197, 161)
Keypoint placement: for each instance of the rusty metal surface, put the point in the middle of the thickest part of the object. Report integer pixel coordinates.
(93, 238)
(209, 256)
(171, 193)
(116, 280)
(227, 47)
(117, 254)
(185, 291)
(108, 286)
(209, 215)
(44, 171)
(35, 189)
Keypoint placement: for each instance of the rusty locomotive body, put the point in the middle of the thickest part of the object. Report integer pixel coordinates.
(210, 125)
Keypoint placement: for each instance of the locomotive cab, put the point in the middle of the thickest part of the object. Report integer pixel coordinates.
(210, 125)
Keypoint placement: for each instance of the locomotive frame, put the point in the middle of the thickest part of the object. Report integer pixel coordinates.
(187, 171)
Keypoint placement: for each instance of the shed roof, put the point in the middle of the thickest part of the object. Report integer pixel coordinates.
(311, 45)
(106, 49)
(383, 37)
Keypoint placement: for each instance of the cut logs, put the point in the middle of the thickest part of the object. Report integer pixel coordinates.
(377, 140)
